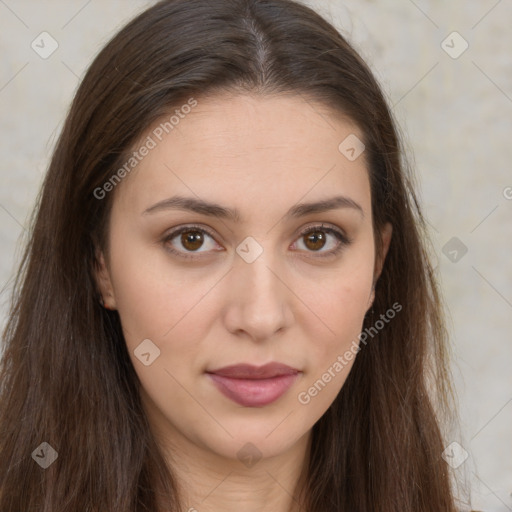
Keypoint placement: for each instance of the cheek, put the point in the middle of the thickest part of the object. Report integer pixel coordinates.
(342, 311)
(335, 347)
(155, 299)
(340, 299)
(339, 302)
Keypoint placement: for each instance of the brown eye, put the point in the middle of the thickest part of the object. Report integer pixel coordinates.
(188, 240)
(315, 240)
(192, 240)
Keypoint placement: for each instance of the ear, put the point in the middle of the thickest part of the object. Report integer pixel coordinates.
(386, 233)
(104, 282)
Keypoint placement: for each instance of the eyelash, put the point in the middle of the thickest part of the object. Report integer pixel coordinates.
(344, 241)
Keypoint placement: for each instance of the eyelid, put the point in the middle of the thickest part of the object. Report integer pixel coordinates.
(343, 239)
(327, 227)
(177, 231)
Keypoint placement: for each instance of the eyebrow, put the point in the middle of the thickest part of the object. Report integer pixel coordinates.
(215, 210)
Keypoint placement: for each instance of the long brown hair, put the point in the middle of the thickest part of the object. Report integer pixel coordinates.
(66, 376)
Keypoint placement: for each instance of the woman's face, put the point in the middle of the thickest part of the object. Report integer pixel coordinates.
(249, 289)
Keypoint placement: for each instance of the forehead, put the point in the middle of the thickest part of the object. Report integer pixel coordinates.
(268, 150)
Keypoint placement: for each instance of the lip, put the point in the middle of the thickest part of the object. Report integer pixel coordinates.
(249, 371)
(254, 386)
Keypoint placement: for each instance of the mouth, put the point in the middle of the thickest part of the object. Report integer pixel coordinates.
(252, 386)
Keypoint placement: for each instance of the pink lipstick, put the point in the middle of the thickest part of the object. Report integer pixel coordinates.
(253, 386)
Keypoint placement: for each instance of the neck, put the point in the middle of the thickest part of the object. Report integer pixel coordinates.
(209, 482)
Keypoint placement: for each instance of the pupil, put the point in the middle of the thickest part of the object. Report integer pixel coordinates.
(195, 239)
(319, 237)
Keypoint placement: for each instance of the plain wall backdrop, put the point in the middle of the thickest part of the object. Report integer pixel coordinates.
(446, 68)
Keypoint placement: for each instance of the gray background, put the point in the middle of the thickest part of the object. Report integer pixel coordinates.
(456, 117)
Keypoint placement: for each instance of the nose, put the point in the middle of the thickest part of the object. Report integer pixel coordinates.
(260, 304)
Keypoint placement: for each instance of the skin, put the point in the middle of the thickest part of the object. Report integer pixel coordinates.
(261, 155)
